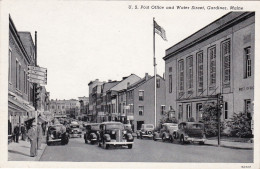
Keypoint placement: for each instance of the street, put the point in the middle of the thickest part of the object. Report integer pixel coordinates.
(145, 151)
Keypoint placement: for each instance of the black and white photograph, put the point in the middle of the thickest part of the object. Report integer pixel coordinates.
(129, 84)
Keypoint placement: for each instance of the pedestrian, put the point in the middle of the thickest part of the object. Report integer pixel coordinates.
(32, 135)
(23, 131)
(39, 135)
(16, 133)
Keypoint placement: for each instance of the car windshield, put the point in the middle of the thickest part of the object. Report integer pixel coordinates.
(196, 126)
(74, 126)
(95, 127)
(114, 126)
(149, 126)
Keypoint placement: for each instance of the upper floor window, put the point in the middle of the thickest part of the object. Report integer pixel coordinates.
(16, 74)
(24, 82)
(200, 69)
(158, 82)
(189, 64)
(170, 83)
(181, 74)
(212, 65)
(10, 65)
(248, 66)
(170, 69)
(226, 61)
(20, 79)
(141, 95)
(141, 110)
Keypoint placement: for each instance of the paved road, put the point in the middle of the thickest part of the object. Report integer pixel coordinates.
(145, 151)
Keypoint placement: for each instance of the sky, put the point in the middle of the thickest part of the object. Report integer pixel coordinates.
(80, 41)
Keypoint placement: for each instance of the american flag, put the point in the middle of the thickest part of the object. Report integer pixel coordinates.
(160, 31)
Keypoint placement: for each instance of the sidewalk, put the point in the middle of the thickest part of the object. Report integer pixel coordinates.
(21, 151)
(230, 144)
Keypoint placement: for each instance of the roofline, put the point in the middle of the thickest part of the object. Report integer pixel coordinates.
(14, 31)
(243, 16)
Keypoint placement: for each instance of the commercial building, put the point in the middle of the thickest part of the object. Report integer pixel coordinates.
(20, 90)
(65, 108)
(84, 103)
(140, 101)
(217, 59)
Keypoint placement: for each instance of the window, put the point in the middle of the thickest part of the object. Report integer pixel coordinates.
(226, 61)
(180, 114)
(200, 70)
(158, 82)
(53, 107)
(181, 75)
(199, 112)
(247, 108)
(212, 65)
(225, 110)
(16, 74)
(170, 69)
(188, 109)
(248, 67)
(141, 110)
(141, 95)
(24, 82)
(170, 83)
(10, 65)
(162, 109)
(189, 72)
(20, 77)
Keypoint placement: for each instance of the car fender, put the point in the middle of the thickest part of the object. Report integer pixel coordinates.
(107, 137)
(93, 136)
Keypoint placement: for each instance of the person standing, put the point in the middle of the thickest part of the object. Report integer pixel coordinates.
(32, 135)
(39, 135)
(23, 132)
(16, 133)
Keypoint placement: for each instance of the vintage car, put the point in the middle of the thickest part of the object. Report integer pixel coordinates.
(57, 133)
(92, 133)
(191, 132)
(168, 131)
(113, 133)
(74, 130)
(146, 131)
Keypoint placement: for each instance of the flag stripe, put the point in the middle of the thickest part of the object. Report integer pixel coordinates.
(160, 31)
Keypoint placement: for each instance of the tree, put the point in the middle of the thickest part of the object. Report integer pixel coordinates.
(167, 118)
(240, 125)
(210, 119)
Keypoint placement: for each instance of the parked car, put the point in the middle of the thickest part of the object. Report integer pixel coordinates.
(92, 133)
(146, 131)
(191, 132)
(75, 130)
(168, 131)
(57, 133)
(114, 133)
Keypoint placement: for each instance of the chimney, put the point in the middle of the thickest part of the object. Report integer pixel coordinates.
(146, 76)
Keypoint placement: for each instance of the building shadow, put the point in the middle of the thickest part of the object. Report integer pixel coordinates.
(17, 152)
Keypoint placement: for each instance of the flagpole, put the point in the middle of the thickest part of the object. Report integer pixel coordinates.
(155, 72)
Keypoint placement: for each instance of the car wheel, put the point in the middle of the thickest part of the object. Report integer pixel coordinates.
(99, 144)
(130, 146)
(107, 146)
(182, 140)
(163, 138)
(201, 143)
(171, 139)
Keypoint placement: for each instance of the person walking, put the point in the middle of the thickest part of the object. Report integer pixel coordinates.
(32, 135)
(16, 133)
(23, 132)
(39, 135)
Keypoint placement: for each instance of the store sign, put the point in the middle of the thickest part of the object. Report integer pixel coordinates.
(37, 75)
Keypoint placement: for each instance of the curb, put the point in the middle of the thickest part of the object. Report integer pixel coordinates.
(38, 157)
(233, 147)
